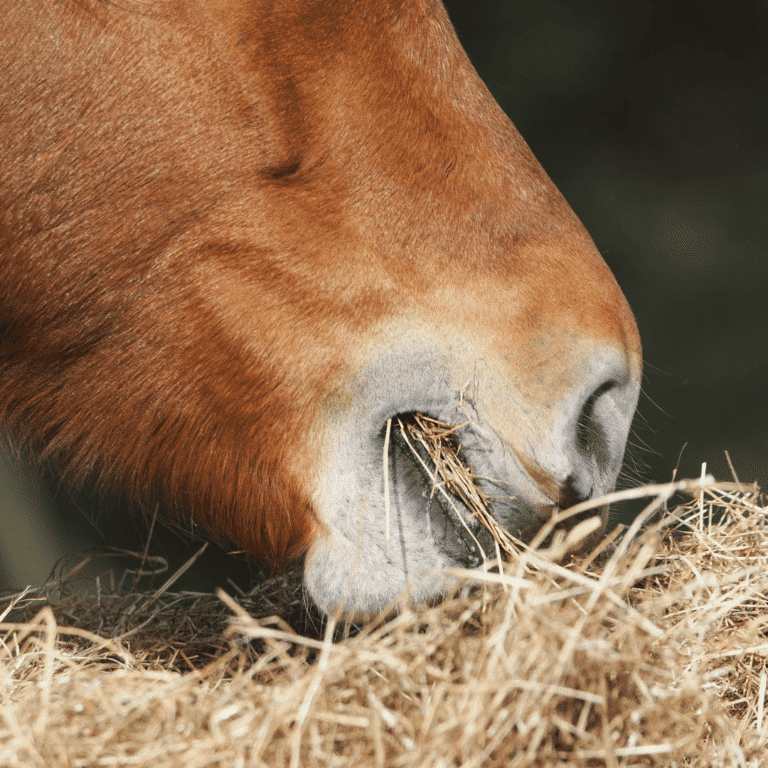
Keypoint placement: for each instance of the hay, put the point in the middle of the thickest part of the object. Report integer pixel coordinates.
(451, 476)
(658, 657)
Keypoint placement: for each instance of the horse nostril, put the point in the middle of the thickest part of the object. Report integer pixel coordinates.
(570, 495)
(591, 436)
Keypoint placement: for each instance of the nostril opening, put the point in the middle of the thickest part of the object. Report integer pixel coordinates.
(591, 436)
(570, 495)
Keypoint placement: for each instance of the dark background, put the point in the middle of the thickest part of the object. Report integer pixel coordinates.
(651, 119)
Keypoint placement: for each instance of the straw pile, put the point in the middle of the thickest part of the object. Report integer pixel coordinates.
(658, 656)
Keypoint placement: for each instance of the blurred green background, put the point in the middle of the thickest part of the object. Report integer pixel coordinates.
(651, 119)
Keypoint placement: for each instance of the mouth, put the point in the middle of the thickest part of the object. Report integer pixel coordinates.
(398, 516)
(468, 518)
(457, 511)
(466, 511)
(391, 525)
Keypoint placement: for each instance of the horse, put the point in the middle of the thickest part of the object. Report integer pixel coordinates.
(238, 240)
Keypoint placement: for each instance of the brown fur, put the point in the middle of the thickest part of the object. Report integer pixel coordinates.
(205, 205)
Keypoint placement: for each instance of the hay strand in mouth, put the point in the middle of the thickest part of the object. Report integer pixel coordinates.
(452, 476)
(387, 515)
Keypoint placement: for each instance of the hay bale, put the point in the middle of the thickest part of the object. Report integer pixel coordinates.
(657, 657)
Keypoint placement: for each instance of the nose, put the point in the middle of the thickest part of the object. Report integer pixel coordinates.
(592, 426)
